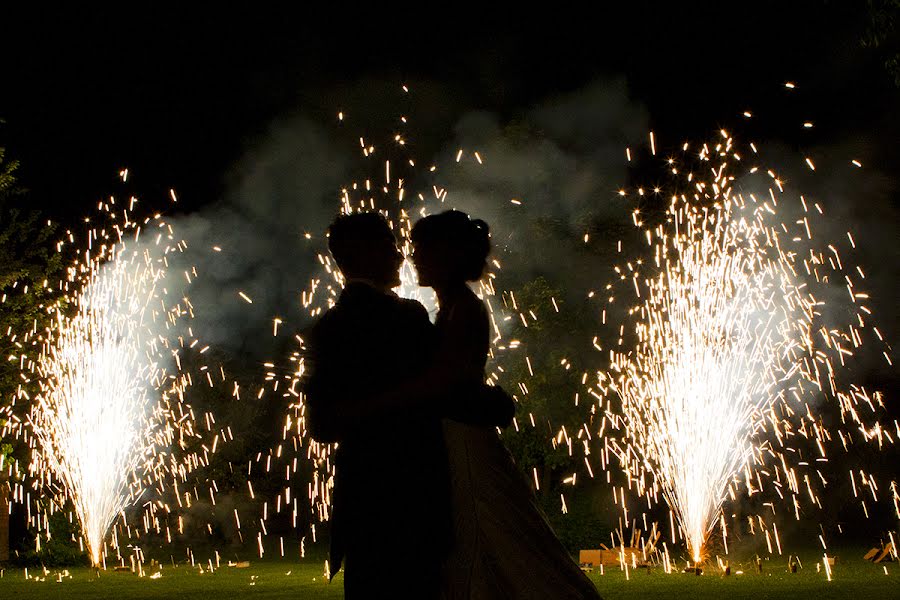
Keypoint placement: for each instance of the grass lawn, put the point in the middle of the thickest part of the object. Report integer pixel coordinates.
(852, 578)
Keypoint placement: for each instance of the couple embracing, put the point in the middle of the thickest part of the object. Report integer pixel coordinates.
(427, 502)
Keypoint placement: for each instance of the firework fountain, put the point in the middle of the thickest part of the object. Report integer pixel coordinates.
(733, 350)
(110, 407)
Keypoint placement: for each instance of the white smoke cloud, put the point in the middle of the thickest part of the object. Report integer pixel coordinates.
(562, 163)
(288, 184)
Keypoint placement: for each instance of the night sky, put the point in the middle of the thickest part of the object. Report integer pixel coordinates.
(179, 95)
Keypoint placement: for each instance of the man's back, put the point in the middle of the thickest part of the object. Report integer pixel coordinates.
(391, 495)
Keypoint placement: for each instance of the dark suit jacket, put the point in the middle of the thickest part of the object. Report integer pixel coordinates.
(391, 497)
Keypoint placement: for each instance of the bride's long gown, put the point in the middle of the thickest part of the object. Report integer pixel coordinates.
(503, 545)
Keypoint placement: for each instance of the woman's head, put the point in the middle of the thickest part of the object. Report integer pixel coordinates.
(449, 247)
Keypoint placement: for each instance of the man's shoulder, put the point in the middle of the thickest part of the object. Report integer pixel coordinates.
(333, 325)
(412, 308)
(384, 304)
(327, 320)
(383, 309)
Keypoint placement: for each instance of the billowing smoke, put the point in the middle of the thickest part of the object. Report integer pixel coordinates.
(253, 241)
(861, 202)
(562, 162)
(550, 176)
(548, 179)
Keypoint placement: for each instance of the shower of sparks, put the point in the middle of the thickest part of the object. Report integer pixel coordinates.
(734, 349)
(91, 419)
(109, 420)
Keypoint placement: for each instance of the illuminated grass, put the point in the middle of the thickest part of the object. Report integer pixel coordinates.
(270, 579)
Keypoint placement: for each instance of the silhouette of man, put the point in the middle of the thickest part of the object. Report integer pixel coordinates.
(391, 515)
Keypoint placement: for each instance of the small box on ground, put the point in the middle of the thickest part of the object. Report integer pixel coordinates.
(595, 558)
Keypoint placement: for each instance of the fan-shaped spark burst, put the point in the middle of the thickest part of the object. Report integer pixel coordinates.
(109, 406)
(731, 347)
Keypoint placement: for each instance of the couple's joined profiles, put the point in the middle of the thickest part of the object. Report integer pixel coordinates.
(427, 502)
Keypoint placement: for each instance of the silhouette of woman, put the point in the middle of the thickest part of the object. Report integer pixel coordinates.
(503, 545)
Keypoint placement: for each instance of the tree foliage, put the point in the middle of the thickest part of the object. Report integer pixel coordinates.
(544, 374)
(882, 34)
(28, 263)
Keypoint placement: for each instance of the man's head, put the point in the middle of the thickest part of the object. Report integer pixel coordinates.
(364, 247)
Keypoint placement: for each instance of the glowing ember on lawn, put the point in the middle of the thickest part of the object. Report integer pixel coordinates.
(734, 348)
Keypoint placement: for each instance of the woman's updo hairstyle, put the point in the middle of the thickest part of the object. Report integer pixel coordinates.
(463, 243)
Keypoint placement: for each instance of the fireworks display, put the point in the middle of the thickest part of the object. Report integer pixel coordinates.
(693, 216)
(737, 355)
(737, 348)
